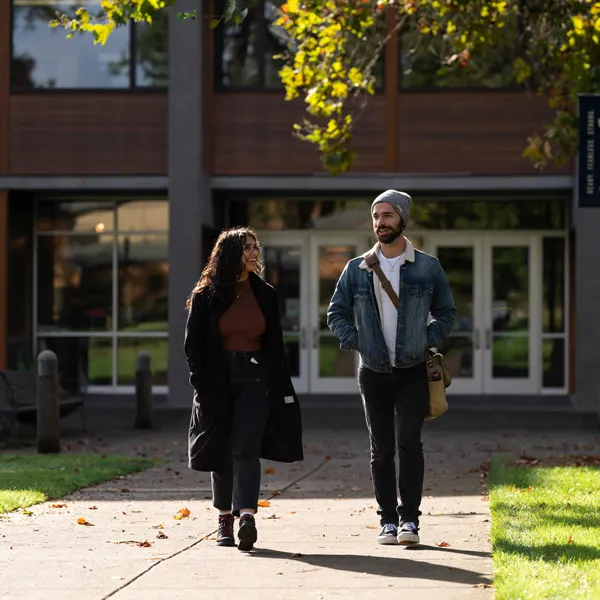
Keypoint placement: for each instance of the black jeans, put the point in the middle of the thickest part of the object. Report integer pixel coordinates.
(404, 392)
(237, 485)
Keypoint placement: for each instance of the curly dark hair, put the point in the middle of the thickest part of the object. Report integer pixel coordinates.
(220, 275)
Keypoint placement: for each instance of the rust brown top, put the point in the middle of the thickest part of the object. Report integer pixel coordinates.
(243, 323)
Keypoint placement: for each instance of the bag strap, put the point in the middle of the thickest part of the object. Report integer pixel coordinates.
(373, 263)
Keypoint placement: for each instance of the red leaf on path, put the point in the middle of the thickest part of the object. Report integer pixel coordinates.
(443, 545)
(144, 544)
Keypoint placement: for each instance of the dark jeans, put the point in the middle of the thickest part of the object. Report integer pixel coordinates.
(237, 485)
(404, 392)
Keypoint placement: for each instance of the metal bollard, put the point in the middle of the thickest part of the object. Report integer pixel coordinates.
(48, 417)
(144, 415)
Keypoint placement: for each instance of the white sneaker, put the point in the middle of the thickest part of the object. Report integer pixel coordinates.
(388, 534)
(409, 533)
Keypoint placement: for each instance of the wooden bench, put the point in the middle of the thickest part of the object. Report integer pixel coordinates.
(18, 400)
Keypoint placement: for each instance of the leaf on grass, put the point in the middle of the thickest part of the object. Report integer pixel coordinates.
(161, 535)
(442, 545)
(58, 505)
(182, 513)
(269, 471)
(144, 544)
(571, 541)
(264, 503)
(82, 521)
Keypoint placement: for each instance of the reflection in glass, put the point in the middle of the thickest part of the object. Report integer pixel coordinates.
(143, 273)
(553, 353)
(458, 262)
(554, 285)
(282, 271)
(81, 217)
(143, 215)
(75, 282)
(82, 361)
(510, 357)
(44, 58)
(333, 362)
(127, 351)
(482, 214)
(423, 61)
(510, 309)
(152, 52)
(458, 354)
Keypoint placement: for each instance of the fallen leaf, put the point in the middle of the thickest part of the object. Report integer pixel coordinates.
(144, 544)
(370, 527)
(276, 493)
(269, 471)
(26, 512)
(161, 526)
(443, 545)
(58, 505)
(482, 585)
(182, 513)
(292, 512)
(272, 517)
(82, 521)
(93, 508)
(571, 540)
(264, 503)
(161, 535)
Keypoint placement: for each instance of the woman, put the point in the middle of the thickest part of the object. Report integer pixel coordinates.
(245, 407)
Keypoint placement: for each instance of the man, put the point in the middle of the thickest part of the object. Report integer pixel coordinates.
(393, 345)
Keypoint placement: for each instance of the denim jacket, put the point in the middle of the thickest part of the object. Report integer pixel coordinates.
(424, 290)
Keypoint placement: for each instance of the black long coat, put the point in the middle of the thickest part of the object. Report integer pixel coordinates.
(211, 410)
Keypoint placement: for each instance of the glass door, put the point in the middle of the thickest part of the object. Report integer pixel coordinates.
(332, 370)
(512, 275)
(285, 257)
(461, 258)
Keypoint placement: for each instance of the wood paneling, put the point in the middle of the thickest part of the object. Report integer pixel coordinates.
(88, 134)
(480, 133)
(391, 92)
(3, 275)
(253, 136)
(4, 82)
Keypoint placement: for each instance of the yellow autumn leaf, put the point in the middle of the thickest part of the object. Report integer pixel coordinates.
(264, 503)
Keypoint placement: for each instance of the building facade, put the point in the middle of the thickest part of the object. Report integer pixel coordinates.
(120, 164)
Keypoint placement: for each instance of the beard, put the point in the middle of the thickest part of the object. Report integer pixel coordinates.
(388, 235)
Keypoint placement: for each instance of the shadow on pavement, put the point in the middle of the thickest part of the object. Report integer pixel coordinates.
(382, 566)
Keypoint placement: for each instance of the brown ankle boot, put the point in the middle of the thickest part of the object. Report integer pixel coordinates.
(225, 535)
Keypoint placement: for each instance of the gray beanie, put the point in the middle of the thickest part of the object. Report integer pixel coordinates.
(399, 200)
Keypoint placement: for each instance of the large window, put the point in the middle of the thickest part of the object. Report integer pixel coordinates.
(423, 62)
(101, 288)
(134, 55)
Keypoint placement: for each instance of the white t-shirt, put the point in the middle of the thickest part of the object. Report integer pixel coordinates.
(389, 313)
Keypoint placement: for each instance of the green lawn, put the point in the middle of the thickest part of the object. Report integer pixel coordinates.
(545, 532)
(28, 480)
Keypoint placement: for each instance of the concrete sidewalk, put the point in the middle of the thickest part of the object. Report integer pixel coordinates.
(317, 539)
